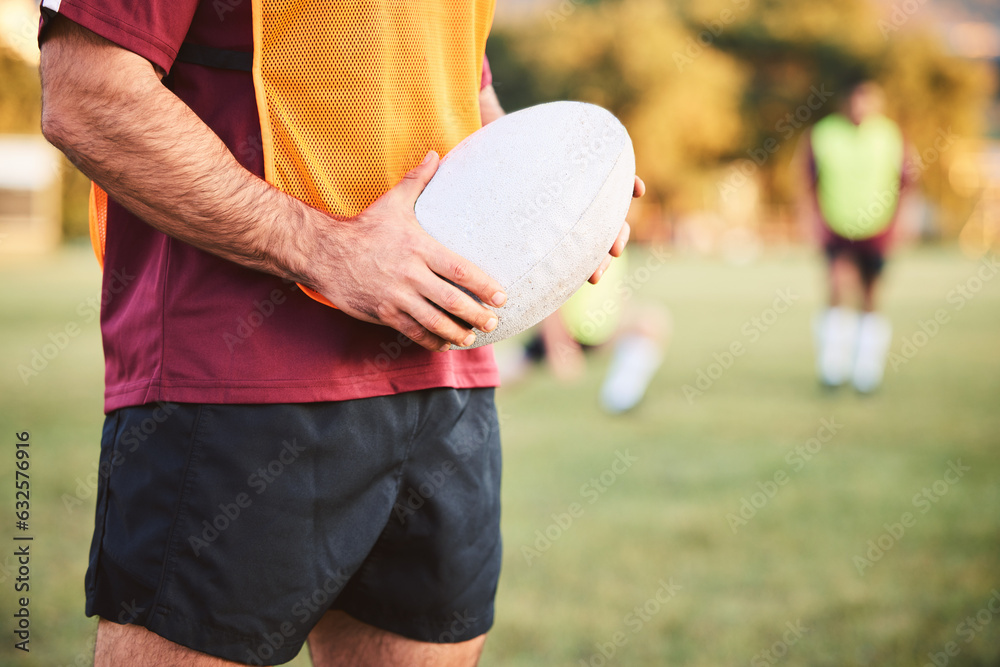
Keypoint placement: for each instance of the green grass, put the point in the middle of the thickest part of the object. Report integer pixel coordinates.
(665, 516)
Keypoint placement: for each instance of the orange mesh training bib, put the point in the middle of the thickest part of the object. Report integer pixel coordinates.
(352, 95)
(98, 211)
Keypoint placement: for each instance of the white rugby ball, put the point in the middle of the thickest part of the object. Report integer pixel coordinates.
(535, 199)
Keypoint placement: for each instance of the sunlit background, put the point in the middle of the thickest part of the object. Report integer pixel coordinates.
(760, 518)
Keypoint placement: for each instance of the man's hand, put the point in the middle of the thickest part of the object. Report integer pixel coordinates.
(638, 190)
(381, 266)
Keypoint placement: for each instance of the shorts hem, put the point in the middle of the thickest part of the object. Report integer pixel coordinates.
(435, 630)
(197, 635)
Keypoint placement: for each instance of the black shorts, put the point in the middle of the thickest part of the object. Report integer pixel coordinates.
(866, 254)
(231, 529)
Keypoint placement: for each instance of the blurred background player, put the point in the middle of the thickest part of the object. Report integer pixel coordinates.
(597, 315)
(855, 169)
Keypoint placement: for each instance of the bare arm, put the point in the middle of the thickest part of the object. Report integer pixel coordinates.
(810, 215)
(489, 105)
(106, 108)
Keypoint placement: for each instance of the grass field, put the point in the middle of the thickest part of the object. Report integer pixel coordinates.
(649, 560)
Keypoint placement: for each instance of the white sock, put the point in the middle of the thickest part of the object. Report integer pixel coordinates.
(836, 336)
(874, 337)
(635, 361)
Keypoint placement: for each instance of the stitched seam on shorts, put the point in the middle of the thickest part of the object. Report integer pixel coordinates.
(103, 500)
(170, 555)
(399, 479)
(406, 457)
(106, 549)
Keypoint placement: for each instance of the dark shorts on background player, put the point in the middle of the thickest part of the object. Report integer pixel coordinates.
(231, 529)
(867, 254)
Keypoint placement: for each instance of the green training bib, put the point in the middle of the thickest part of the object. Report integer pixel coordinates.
(858, 169)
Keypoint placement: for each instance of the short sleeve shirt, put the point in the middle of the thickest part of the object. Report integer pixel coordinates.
(180, 324)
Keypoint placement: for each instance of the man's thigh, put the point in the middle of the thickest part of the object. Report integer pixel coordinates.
(341, 641)
(337, 641)
(135, 646)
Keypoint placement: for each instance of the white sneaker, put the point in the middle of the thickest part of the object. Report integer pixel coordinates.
(836, 337)
(635, 361)
(874, 337)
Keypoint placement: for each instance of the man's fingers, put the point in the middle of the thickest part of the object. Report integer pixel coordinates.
(439, 324)
(458, 303)
(600, 270)
(457, 269)
(618, 247)
(639, 189)
(412, 329)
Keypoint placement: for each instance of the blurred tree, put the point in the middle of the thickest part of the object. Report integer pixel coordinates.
(681, 107)
(21, 113)
(940, 102)
(704, 82)
(797, 46)
(20, 95)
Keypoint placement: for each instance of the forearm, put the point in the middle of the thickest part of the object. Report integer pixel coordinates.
(489, 105)
(153, 155)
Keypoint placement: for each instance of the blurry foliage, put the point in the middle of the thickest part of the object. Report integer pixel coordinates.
(20, 95)
(21, 113)
(619, 55)
(700, 83)
(934, 95)
(76, 201)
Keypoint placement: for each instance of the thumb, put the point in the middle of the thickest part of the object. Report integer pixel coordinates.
(415, 180)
